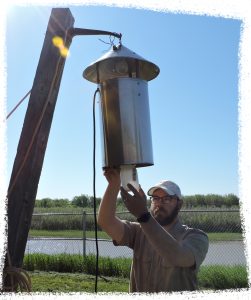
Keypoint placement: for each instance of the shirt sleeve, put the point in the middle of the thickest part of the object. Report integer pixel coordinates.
(130, 231)
(197, 242)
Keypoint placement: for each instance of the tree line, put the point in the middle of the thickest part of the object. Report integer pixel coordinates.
(192, 201)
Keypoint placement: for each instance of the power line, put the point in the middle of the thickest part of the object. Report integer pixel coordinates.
(12, 111)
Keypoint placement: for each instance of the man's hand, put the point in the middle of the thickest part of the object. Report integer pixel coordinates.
(112, 175)
(136, 203)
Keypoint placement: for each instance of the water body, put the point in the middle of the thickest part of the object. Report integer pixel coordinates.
(219, 253)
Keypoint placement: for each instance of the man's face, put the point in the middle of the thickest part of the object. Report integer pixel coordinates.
(165, 212)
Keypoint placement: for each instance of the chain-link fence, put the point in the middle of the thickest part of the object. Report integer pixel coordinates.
(74, 233)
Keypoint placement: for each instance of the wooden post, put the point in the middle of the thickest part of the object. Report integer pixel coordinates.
(33, 140)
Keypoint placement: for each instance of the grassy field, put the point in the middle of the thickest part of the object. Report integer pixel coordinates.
(221, 236)
(66, 234)
(73, 273)
(209, 278)
(67, 282)
(68, 219)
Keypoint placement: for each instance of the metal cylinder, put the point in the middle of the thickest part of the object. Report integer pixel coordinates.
(125, 123)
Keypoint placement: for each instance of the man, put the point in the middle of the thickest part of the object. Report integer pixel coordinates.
(166, 254)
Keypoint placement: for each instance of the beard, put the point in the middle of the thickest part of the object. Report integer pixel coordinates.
(168, 219)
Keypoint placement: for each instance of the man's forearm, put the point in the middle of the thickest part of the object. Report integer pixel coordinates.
(107, 208)
(166, 245)
(107, 219)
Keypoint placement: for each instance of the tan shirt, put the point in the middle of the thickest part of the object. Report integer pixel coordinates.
(151, 272)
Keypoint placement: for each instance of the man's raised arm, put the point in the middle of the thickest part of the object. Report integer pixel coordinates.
(107, 219)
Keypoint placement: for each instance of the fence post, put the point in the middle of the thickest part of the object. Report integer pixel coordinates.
(84, 233)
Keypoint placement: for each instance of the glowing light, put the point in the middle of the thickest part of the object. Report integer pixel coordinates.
(64, 52)
(59, 43)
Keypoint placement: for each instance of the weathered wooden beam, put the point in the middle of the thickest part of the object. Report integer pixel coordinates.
(34, 136)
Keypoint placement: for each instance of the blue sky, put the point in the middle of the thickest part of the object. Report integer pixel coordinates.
(193, 102)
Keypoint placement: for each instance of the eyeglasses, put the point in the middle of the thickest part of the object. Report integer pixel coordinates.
(164, 200)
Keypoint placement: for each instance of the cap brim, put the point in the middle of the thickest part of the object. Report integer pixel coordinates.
(151, 190)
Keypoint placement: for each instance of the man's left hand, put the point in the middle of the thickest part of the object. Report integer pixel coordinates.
(136, 203)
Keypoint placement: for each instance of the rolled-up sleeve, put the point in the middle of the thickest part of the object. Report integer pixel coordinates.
(130, 232)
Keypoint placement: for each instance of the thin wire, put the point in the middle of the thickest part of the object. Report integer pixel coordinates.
(104, 42)
(111, 43)
(112, 39)
(35, 130)
(94, 190)
(12, 111)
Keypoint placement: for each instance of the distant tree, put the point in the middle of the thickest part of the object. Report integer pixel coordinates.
(199, 200)
(48, 203)
(61, 202)
(219, 200)
(209, 199)
(188, 201)
(81, 201)
(91, 201)
(231, 200)
(37, 203)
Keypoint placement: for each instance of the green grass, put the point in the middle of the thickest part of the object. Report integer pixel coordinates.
(111, 270)
(72, 263)
(69, 209)
(225, 236)
(209, 278)
(221, 236)
(222, 277)
(66, 233)
(68, 283)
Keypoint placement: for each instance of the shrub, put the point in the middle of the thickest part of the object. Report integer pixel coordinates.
(80, 201)
(222, 277)
(72, 263)
(48, 203)
(218, 221)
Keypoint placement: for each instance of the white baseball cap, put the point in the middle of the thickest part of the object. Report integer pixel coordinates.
(167, 186)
